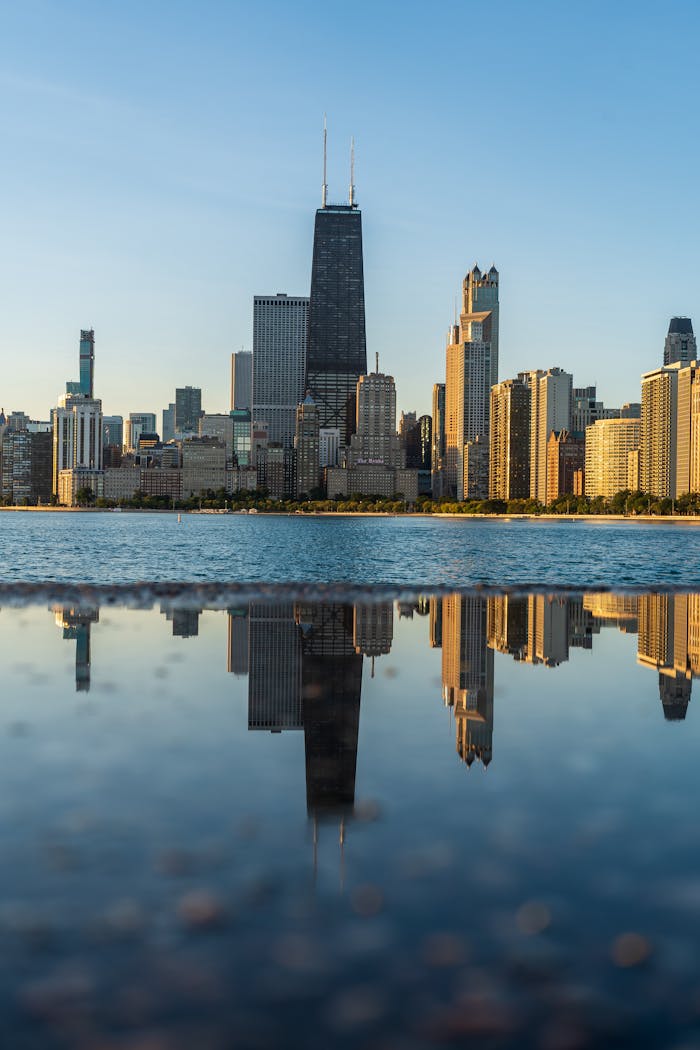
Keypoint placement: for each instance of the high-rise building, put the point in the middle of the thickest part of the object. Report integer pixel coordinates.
(475, 468)
(25, 465)
(680, 344)
(438, 449)
(376, 441)
(565, 456)
(188, 409)
(337, 348)
(77, 435)
(218, 425)
(112, 431)
(242, 380)
(85, 385)
(550, 409)
(137, 424)
(509, 444)
(658, 445)
(242, 436)
(329, 446)
(280, 332)
(586, 409)
(306, 443)
(608, 445)
(688, 430)
(168, 429)
(472, 369)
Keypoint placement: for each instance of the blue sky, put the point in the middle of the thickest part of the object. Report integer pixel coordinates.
(162, 164)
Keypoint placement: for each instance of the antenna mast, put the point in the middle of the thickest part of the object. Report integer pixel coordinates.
(351, 197)
(376, 362)
(324, 188)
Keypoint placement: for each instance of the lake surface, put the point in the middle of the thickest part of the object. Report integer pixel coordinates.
(116, 548)
(454, 821)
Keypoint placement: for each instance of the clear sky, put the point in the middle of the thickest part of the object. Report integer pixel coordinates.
(161, 164)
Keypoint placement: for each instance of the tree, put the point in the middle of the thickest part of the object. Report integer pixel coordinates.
(85, 496)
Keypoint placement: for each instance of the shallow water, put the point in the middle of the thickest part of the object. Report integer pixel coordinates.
(114, 548)
(465, 819)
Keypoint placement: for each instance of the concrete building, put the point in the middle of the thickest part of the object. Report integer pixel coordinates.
(203, 466)
(509, 441)
(242, 381)
(70, 482)
(218, 425)
(609, 444)
(550, 409)
(565, 456)
(26, 465)
(121, 482)
(658, 446)
(306, 444)
(161, 481)
(77, 435)
(167, 432)
(280, 333)
(680, 344)
(329, 446)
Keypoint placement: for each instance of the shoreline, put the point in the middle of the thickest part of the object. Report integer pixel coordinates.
(646, 519)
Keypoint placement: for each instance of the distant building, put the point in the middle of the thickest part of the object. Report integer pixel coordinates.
(203, 466)
(280, 334)
(218, 425)
(438, 439)
(242, 437)
(475, 465)
(242, 381)
(188, 409)
(112, 431)
(329, 446)
(680, 344)
(509, 443)
(337, 348)
(609, 443)
(565, 456)
(550, 409)
(168, 427)
(658, 433)
(77, 437)
(25, 466)
(472, 369)
(306, 443)
(135, 425)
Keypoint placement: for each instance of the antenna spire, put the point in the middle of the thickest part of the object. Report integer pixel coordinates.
(351, 197)
(324, 188)
(376, 362)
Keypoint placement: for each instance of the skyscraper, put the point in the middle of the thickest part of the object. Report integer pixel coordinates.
(167, 432)
(608, 445)
(509, 445)
(337, 348)
(112, 431)
(658, 434)
(680, 344)
(188, 409)
(550, 409)
(87, 362)
(242, 380)
(280, 332)
(306, 442)
(375, 441)
(438, 438)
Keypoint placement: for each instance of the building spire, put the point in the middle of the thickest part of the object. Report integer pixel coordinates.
(376, 362)
(351, 197)
(324, 188)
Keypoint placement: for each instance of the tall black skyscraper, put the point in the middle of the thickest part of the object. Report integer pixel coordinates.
(337, 348)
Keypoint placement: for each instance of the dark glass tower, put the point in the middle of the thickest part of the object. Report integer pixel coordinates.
(337, 348)
(87, 362)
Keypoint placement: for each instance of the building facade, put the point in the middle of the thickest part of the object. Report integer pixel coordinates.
(509, 441)
(337, 346)
(280, 333)
(242, 381)
(188, 409)
(609, 443)
(306, 443)
(680, 344)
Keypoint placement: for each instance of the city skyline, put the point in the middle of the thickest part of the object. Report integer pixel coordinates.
(178, 221)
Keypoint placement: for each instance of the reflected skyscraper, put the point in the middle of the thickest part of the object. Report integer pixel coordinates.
(76, 625)
(373, 628)
(668, 629)
(185, 621)
(331, 690)
(467, 675)
(238, 631)
(274, 667)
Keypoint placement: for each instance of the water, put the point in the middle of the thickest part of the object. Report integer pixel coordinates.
(115, 548)
(453, 821)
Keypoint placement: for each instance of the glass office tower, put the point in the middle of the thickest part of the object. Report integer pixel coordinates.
(337, 348)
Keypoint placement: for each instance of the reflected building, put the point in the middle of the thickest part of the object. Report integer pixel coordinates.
(547, 630)
(613, 610)
(373, 628)
(185, 621)
(668, 628)
(436, 623)
(467, 675)
(238, 632)
(506, 624)
(76, 624)
(331, 686)
(274, 667)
